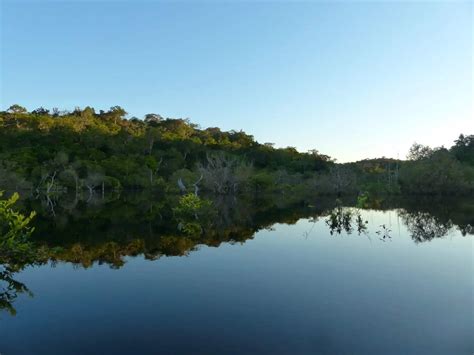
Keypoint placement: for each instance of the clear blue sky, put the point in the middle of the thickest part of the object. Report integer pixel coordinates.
(352, 79)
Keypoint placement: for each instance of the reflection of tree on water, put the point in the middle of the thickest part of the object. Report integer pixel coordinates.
(136, 224)
(361, 225)
(424, 227)
(384, 233)
(9, 290)
(340, 220)
(84, 233)
(344, 219)
(466, 229)
(447, 214)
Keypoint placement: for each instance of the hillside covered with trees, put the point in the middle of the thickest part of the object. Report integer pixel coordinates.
(89, 152)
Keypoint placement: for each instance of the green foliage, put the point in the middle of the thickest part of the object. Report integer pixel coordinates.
(362, 200)
(16, 250)
(15, 246)
(419, 152)
(441, 173)
(192, 214)
(190, 205)
(85, 150)
(262, 181)
(59, 151)
(17, 109)
(464, 149)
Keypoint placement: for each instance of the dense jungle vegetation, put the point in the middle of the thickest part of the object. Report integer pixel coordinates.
(89, 152)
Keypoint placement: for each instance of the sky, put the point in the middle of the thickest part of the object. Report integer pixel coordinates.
(352, 79)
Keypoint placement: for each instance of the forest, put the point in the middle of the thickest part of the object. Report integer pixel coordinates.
(98, 187)
(51, 152)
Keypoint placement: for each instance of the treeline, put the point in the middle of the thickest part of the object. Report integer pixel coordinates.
(89, 152)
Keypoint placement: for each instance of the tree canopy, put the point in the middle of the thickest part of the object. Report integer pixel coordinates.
(84, 150)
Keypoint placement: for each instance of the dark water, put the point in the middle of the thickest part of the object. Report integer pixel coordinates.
(273, 280)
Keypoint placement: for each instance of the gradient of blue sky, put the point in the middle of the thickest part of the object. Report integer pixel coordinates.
(352, 79)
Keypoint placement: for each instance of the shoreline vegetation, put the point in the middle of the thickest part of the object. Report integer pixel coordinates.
(103, 187)
(88, 152)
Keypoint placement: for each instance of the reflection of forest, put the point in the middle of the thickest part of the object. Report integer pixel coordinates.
(106, 230)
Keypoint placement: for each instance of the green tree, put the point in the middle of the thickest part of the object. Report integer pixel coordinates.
(17, 109)
(16, 250)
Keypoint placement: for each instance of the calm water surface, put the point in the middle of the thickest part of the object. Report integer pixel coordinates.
(289, 289)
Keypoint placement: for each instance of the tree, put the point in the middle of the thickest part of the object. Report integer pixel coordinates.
(219, 174)
(152, 135)
(419, 152)
(55, 112)
(116, 113)
(40, 111)
(191, 212)
(442, 173)
(153, 119)
(16, 250)
(464, 149)
(94, 179)
(153, 166)
(343, 179)
(17, 109)
(88, 113)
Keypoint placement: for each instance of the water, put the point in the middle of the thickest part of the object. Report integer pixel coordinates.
(291, 287)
